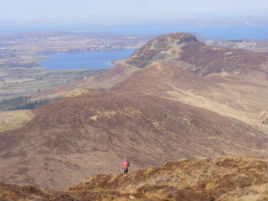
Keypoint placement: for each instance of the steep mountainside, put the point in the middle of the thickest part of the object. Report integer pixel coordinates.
(222, 179)
(231, 82)
(227, 95)
(89, 134)
(204, 59)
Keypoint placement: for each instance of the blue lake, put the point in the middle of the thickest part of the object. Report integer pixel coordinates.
(84, 60)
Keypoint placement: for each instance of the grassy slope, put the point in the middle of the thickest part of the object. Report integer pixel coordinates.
(10, 120)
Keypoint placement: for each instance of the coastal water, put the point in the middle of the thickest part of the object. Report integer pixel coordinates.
(84, 60)
(208, 32)
(103, 59)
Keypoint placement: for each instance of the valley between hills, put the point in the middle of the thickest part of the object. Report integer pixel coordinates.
(175, 99)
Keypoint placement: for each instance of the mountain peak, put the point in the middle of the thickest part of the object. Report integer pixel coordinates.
(167, 46)
(179, 36)
(203, 59)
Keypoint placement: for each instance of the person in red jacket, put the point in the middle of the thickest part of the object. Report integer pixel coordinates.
(126, 165)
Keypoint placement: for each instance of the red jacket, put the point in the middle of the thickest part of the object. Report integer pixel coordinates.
(125, 163)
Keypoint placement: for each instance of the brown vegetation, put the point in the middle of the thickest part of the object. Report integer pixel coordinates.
(195, 180)
(231, 82)
(89, 134)
(222, 179)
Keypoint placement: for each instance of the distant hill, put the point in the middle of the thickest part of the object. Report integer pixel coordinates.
(253, 45)
(221, 179)
(231, 82)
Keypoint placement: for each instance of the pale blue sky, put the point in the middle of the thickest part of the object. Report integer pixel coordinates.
(121, 11)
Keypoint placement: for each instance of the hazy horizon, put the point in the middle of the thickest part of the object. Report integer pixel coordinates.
(82, 13)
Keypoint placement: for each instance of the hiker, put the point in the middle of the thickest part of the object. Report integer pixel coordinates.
(126, 165)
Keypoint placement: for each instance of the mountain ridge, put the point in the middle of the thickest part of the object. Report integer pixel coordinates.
(189, 51)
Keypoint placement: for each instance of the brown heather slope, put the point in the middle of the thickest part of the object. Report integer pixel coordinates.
(221, 179)
(89, 134)
(231, 82)
(203, 58)
(229, 96)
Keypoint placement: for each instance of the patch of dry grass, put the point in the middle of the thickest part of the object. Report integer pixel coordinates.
(245, 103)
(10, 120)
(76, 92)
(12, 192)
